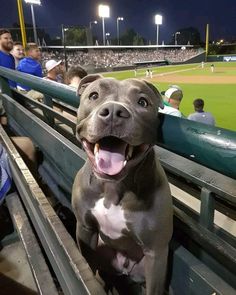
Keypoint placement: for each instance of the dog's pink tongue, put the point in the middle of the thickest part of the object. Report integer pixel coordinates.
(110, 159)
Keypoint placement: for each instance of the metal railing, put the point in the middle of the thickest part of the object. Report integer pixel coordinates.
(210, 146)
(212, 246)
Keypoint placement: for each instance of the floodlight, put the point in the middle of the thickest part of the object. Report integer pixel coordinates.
(32, 3)
(92, 22)
(119, 18)
(158, 19)
(103, 10)
(37, 2)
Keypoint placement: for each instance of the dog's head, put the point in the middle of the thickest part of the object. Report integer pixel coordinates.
(117, 122)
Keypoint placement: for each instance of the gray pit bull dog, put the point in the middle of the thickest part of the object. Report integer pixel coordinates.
(121, 197)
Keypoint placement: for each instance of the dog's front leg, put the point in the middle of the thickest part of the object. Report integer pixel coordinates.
(87, 240)
(155, 270)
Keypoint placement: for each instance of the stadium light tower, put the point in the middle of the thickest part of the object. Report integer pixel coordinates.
(103, 11)
(32, 2)
(119, 18)
(177, 33)
(158, 21)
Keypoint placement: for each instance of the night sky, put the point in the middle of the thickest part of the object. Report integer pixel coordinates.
(138, 14)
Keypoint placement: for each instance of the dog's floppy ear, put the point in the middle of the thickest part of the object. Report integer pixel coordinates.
(86, 81)
(157, 93)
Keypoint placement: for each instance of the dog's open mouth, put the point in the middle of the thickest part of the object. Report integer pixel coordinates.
(111, 154)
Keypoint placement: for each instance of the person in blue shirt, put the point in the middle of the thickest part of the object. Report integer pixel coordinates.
(200, 115)
(6, 59)
(18, 52)
(5, 174)
(30, 64)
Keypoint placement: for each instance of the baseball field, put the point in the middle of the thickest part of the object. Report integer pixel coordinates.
(218, 88)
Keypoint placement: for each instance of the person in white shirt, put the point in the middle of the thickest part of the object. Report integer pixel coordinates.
(172, 99)
(212, 68)
(53, 69)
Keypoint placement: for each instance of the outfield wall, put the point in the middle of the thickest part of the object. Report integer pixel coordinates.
(227, 58)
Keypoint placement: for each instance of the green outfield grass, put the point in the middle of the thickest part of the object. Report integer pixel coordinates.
(156, 70)
(220, 99)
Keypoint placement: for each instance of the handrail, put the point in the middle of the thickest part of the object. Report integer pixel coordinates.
(71, 269)
(210, 146)
(62, 92)
(73, 159)
(223, 186)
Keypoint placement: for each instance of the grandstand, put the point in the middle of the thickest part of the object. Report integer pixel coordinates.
(110, 58)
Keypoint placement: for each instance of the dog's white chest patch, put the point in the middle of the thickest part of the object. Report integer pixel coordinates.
(111, 221)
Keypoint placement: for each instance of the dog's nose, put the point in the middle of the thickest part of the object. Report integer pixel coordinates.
(113, 111)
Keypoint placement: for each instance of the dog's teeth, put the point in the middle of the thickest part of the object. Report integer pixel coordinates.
(125, 162)
(96, 148)
(130, 151)
(84, 144)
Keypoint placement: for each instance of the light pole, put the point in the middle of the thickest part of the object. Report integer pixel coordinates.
(92, 22)
(63, 35)
(158, 21)
(119, 18)
(89, 32)
(103, 11)
(177, 33)
(107, 36)
(32, 2)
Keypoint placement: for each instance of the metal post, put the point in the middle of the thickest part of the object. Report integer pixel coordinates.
(34, 24)
(64, 45)
(176, 33)
(207, 210)
(22, 22)
(157, 34)
(207, 41)
(103, 31)
(118, 33)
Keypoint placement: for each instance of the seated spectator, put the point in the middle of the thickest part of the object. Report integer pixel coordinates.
(74, 76)
(53, 69)
(172, 100)
(200, 115)
(5, 186)
(17, 52)
(23, 144)
(6, 59)
(30, 64)
(27, 151)
(5, 174)
(62, 73)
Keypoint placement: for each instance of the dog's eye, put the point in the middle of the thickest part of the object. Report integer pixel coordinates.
(143, 102)
(93, 96)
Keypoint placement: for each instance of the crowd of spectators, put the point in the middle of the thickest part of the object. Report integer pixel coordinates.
(13, 53)
(112, 58)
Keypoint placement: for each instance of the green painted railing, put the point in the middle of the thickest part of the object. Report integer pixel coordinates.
(57, 90)
(210, 146)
